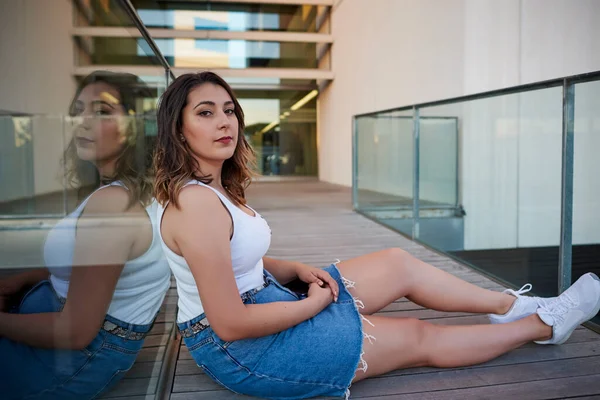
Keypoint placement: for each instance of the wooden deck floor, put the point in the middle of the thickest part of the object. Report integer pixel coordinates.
(313, 222)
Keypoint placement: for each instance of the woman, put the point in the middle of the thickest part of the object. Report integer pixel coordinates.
(78, 330)
(256, 337)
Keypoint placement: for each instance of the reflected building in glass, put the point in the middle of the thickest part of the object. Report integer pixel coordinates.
(273, 55)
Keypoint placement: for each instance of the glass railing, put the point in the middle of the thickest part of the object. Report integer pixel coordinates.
(60, 121)
(35, 135)
(35, 171)
(504, 181)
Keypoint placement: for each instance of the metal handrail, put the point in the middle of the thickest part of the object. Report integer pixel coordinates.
(130, 10)
(567, 84)
(579, 78)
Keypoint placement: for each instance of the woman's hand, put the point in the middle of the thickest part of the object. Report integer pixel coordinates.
(322, 296)
(13, 285)
(9, 287)
(309, 274)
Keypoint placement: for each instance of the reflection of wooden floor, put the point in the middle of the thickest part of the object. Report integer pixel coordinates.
(370, 199)
(314, 223)
(46, 204)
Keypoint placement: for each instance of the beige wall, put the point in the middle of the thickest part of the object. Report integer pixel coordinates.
(36, 60)
(392, 54)
(36, 56)
(402, 52)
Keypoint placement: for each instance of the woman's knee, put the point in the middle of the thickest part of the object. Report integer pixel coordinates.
(416, 346)
(397, 256)
(398, 260)
(430, 334)
(395, 253)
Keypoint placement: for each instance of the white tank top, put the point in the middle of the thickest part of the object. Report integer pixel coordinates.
(142, 284)
(249, 244)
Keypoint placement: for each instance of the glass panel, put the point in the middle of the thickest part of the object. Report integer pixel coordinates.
(30, 170)
(507, 222)
(385, 168)
(16, 162)
(439, 223)
(32, 153)
(45, 139)
(205, 15)
(438, 162)
(586, 186)
(281, 126)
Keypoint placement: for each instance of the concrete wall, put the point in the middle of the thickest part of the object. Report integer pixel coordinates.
(396, 53)
(36, 60)
(403, 52)
(36, 56)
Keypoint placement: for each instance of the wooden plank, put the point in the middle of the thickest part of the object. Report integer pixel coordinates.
(425, 314)
(193, 383)
(144, 369)
(165, 317)
(161, 328)
(524, 355)
(443, 380)
(133, 387)
(536, 390)
(156, 340)
(209, 395)
(151, 354)
(187, 367)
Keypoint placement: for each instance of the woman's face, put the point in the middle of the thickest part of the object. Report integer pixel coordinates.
(210, 126)
(100, 123)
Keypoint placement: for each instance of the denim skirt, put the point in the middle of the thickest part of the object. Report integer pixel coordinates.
(317, 357)
(28, 372)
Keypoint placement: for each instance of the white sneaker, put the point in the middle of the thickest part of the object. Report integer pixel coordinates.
(523, 306)
(577, 304)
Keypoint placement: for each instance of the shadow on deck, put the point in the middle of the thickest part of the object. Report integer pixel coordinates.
(313, 222)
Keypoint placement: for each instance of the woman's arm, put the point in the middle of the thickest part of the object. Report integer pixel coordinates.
(23, 279)
(13, 285)
(102, 247)
(201, 230)
(284, 271)
(90, 292)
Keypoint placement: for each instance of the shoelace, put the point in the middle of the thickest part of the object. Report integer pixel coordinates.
(558, 307)
(525, 289)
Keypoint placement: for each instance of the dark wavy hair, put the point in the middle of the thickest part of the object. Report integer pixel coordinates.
(134, 163)
(173, 161)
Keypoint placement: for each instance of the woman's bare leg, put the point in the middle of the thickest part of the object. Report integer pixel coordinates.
(388, 275)
(407, 342)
